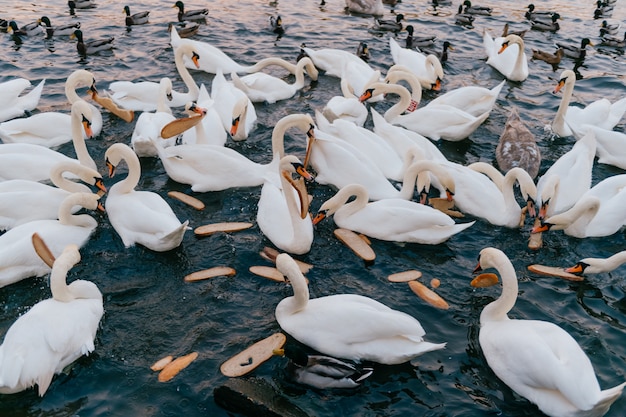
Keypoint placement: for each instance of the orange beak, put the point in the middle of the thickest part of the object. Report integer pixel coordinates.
(576, 269)
(321, 215)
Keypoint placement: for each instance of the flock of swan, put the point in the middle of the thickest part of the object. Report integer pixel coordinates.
(351, 147)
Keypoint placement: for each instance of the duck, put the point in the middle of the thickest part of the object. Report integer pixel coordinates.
(140, 217)
(282, 213)
(34, 162)
(321, 371)
(532, 14)
(439, 121)
(462, 18)
(262, 87)
(185, 30)
(553, 59)
(507, 56)
(140, 18)
(52, 129)
(216, 168)
(60, 30)
(420, 223)
(517, 146)
(93, 46)
(29, 29)
(372, 7)
(601, 113)
(12, 103)
(614, 42)
(426, 67)
(276, 24)
(547, 26)
(482, 10)
(195, 14)
(19, 259)
(588, 266)
(442, 55)
(80, 4)
(568, 178)
(607, 28)
(559, 378)
(362, 51)
(603, 8)
(413, 42)
(53, 333)
(573, 51)
(610, 145)
(144, 95)
(386, 25)
(23, 201)
(235, 108)
(384, 335)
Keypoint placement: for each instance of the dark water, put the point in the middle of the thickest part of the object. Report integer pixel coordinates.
(151, 312)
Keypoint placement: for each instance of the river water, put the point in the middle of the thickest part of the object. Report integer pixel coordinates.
(150, 312)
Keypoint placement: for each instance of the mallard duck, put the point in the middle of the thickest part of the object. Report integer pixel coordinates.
(463, 18)
(413, 42)
(552, 59)
(443, 54)
(532, 14)
(276, 24)
(80, 4)
(603, 9)
(363, 52)
(90, 47)
(4, 24)
(547, 26)
(483, 10)
(135, 18)
(389, 25)
(616, 42)
(61, 30)
(30, 29)
(197, 14)
(607, 28)
(321, 371)
(185, 31)
(573, 51)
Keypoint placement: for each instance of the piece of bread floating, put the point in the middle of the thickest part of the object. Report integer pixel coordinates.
(187, 199)
(126, 115)
(253, 356)
(485, 280)
(42, 250)
(217, 271)
(445, 206)
(270, 254)
(535, 242)
(209, 229)
(554, 272)
(406, 276)
(428, 295)
(174, 367)
(178, 126)
(161, 363)
(356, 243)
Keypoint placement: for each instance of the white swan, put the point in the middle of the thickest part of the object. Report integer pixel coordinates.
(52, 129)
(22, 201)
(53, 333)
(568, 178)
(282, 213)
(17, 255)
(215, 134)
(588, 266)
(433, 121)
(346, 106)
(601, 113)
(34, 162)
(144, 95)
(427, 68)
(507, 56)
(215, 168)
(262, 87)
(348, 326)
(333, 61)
(13, 105)
(140, 217)
(373, 7)
(234, 107)
(538, 359)
(610, 145)
(391, 219)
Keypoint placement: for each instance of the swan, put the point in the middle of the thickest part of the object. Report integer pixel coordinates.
(235, 108)
(348, 326)
(373, 7)
(568, 178)
(333, 61)
(91, 47)
(215, 168)
(140, 217)
(589, 266)
(517, 146)
(260, 87)
(34, 162)
(390, 219)
(17, 255)
(347, 106)
(22, 201)
(433, 121)
(53, 129)
(53, 333)
(537, 359)
(507, 56)
(427, 68)
(12, 104)
(610, 145)
(282, 219)
(143, 95)
(212, 122)
(600, 113)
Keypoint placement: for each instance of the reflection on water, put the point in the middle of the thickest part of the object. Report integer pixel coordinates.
(150, 312)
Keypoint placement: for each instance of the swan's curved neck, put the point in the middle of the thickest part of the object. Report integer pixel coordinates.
(398, 108)
(129, 183)
(266, 62)
(568, 91)
(80, 147)
(411, 79)
(57, 178)
(280, 129)
(58, 285)
(412, 172)
(614, 261)
(79, 78)
(576, 219)
(300, 288)
(192, 87)
(165, 88)
(526, 187)
(67, 218)
(497, 310)
(340, 199)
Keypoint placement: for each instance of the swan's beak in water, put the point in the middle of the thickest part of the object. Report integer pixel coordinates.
(449, 195)
(321, 215)
(111, 168)
(100, 207)
(437, 85)
(577, 269)
(303, 172)
(367, 94)
(87, 127)
(542, 227)
(234, 126)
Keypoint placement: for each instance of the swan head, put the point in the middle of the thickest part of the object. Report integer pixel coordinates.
(115, 153)
(240, 111)
(488, 258)
(567, 77)
(330, 206)
(579, 268)
(510, 40)
(83, 111)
